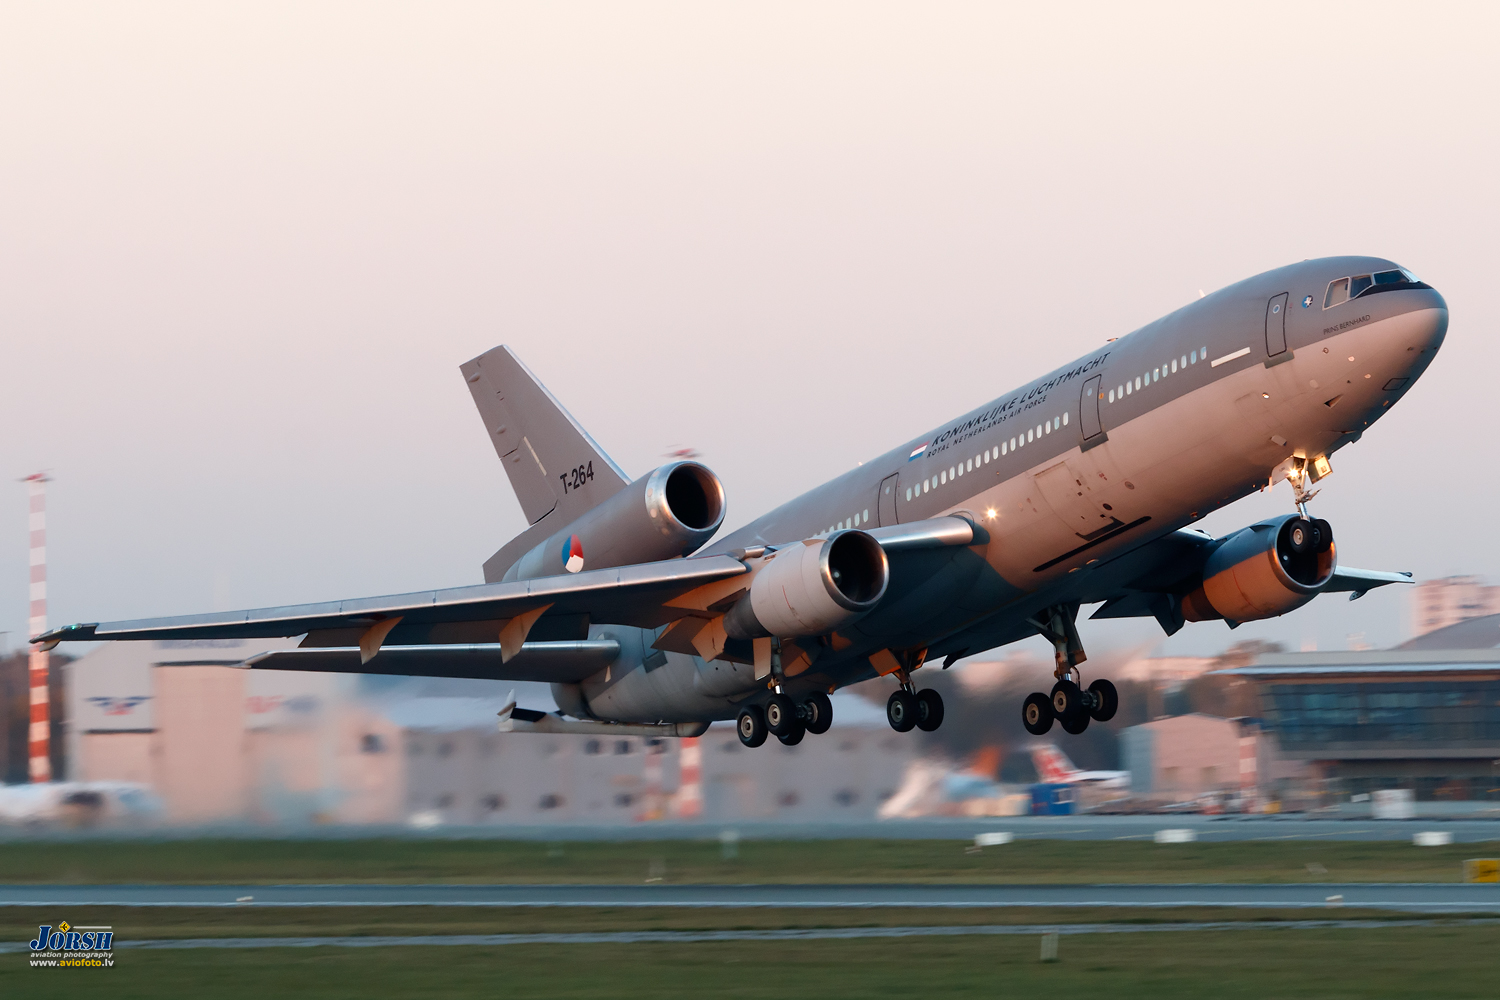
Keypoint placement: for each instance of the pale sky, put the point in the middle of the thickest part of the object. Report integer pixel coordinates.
(245, 247)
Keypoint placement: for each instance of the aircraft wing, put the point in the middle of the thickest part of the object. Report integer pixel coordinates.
(556, 608)
(1359, 582)
(1171, 564)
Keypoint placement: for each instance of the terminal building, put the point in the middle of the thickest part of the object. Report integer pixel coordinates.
(1424, 716)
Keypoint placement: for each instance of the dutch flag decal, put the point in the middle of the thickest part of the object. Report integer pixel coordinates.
(572, 554)
(918, 451)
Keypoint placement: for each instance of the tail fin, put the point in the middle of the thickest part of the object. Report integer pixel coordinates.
(1052, 765)
(539, 443)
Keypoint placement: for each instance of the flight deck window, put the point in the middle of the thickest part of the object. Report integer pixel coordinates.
(1338, 291)
(1358, 284)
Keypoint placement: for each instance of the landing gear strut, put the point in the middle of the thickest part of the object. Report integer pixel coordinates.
(1069, 703)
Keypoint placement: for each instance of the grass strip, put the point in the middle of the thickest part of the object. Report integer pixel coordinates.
(1373, 964)
(234, 861)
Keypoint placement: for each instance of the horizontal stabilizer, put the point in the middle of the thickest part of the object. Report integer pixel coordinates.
(548, 662)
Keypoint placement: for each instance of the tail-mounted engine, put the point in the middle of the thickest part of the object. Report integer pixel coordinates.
(1264, 570)
(667, 514)
(812, 588)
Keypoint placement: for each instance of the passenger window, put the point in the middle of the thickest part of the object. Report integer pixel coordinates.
(1065, 420)
(1111, 395)
(1184, 361)
(1192, 357)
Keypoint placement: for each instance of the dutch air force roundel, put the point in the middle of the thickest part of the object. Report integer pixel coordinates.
(572, 554)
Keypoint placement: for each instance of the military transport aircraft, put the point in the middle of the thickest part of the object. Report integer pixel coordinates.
(1075, 489)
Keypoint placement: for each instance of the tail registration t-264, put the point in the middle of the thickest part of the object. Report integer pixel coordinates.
(575, 478)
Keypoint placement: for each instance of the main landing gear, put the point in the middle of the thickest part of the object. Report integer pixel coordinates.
(1070, 703)
(785, 719)
(910, 709)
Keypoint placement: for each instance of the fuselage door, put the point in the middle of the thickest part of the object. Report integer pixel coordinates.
(887, 504)
(1276, 325)
(1088, 409)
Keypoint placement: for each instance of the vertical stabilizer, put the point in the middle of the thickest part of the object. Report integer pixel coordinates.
(543, 449)
(1052, 765)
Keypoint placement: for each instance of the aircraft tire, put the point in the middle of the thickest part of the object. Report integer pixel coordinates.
(901, 711)
(794, 735)
(1067, 700)
(818, 713)
(1302, 536)
(1073, 725)
(781, 714)
(1106, 700)
(1037, 714)
(751, 726)
(1324, 532)
(929, 710)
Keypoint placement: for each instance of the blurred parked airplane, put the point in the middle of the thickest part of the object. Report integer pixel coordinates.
(1076, 488)
(1054, 768)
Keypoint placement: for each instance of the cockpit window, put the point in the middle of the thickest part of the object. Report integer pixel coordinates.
(1344, 289)
(1338, 291)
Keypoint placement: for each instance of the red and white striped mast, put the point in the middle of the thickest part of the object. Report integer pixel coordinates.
(41, 715)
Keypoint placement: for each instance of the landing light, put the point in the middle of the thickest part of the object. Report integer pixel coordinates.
(991, 513)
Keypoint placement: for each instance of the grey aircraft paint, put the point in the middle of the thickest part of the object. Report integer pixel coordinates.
(1072, 489)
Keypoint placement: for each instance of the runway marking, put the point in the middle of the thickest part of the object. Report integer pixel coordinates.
(798, 934)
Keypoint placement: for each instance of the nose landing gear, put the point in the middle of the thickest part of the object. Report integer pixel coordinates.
(1069, 703)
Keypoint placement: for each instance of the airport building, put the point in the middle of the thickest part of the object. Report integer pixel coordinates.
(1423, 717)
(220, 744)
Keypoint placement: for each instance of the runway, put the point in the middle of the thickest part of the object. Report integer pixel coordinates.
(796, 934)
(1407, 897)
(1464, 826)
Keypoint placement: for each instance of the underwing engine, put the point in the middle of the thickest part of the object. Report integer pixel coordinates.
(812, 588)
(1264, 570)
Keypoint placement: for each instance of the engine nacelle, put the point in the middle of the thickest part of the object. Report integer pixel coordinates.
(1264, 570)
(812, 588)
(666, 514)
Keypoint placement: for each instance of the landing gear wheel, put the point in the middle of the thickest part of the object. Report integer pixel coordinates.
(781, 714)
(1037, 714)
(1301, 536)
(794, 735)
(751, 726)
(929, 710)
(817, 712)
(1106, 700)
(901, 711)
(1067, 705)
